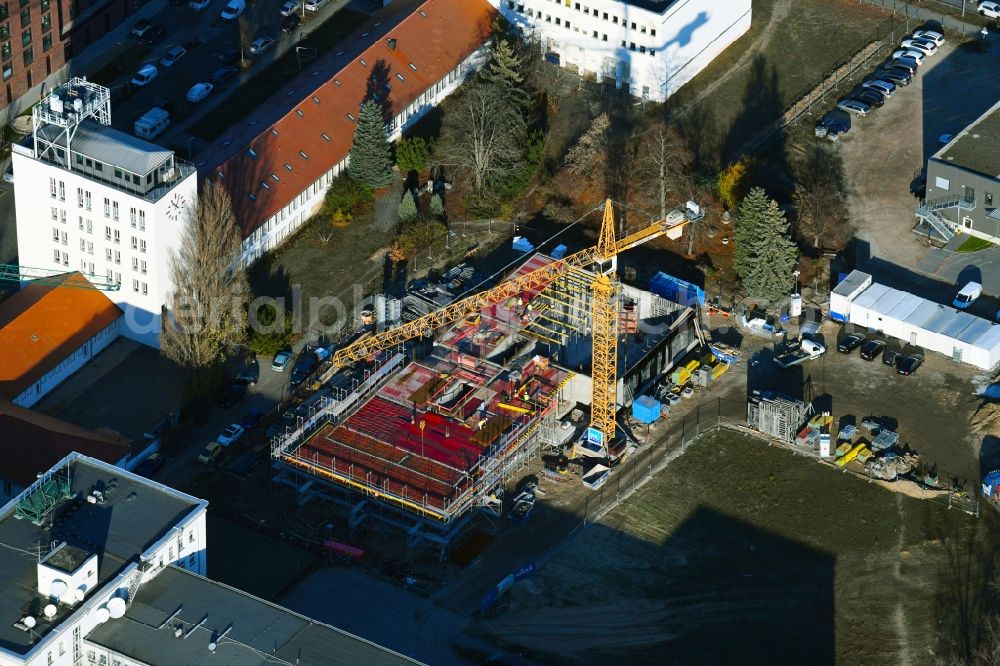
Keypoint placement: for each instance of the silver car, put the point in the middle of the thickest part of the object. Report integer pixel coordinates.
(885, 88)
(855, 106)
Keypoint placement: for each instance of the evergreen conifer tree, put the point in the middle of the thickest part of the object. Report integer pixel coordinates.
(765, 252)
(371, 156)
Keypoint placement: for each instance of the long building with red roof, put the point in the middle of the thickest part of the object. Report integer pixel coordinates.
(278, 162)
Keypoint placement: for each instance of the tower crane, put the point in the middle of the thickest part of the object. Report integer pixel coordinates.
(606, 290)
(56, 278)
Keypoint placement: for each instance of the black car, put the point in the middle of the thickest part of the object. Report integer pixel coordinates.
(228, 57)
(290, 23)
(249, 374)
(871, 349)
(850, 343)
(223, 74)
(871, 98)
(909, 364)
(897, 75)
(232, 394)
(154, 35)
(150, 465)
(304, 367)
(890, 357)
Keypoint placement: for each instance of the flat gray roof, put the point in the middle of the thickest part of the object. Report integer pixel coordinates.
(977, 147)
(109, 146)
(851, 283)
(259, 632)
(133, 515)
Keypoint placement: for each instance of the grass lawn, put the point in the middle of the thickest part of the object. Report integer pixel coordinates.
(265, 83)
(251, 561)
(742, 553)
(974, 244)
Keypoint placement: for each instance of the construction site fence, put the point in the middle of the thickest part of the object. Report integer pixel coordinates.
(917, 12)
(728, 415)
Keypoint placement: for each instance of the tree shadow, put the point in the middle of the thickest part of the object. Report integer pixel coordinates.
(268, 278)
(378, 89)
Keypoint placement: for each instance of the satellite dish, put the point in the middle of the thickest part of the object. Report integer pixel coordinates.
(58, 588)
(116, 607)
(29, 622)
(50, 611)
(80, 593)
(102, 615)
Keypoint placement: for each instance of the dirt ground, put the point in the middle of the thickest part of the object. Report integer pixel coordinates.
(739, 552)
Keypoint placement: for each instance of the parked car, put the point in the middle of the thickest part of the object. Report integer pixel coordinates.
(314, 5)
(968, 295)
(836, 122)
(144, 76)
(925, 46)
(229, 56)
(897, 75)
(850, 343)
(290, 23)
(8, 175)
(231, 394)
(199, 92)
(172, 56)
(909, 364)
(290, 7)
(890, 357)
(198, 5)
(304, 367)
(281, 360)
(870, 97)
(230, 435)
(871, 349)
(989, 9)
(909, 54)
(885, 88)
(907, 65)
(223, 74)
(150, 465)
(931, 35)
(153, 35)
(857, 107)
(233, 10)
(141, 27)
(251, 418)
(261, 44)
(211, 452)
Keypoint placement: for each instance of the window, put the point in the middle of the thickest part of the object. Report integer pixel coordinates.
(142, 246)
(46, 22)
(114, 210)
(142, 220)
(79, 197)
(135, 286)
(326, 137)
(65, 258)
(633, 25)
(142, 266)
(107, 233)
(55, 234)
(90, 226)
(62, 191)
(642, 30)
(652, 32)
(4, 12)
(81, 222)
(83, 245)
(303, 155)
(25, 17)
(86, 200)
(118, 257)
(107, 206)
(107, 254)
(52, 187)
(8, 68)
(118, 277)
(55, 255)
(65, 238)
(942, 183)
(145, 290)
(62, 216)
(135, 242)
(26, 37)
(251, 153)
(135, 264)
(131, 215)
(55, 213)
(90, 249)
(118, 236)
(5, 31)
(988, 197)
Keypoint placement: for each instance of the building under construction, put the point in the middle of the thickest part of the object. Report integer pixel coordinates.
(422, 445)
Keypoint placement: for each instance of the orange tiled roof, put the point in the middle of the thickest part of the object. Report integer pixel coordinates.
(316, 133)
(43, 324)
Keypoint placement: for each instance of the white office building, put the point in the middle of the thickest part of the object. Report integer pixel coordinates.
(652, 47)
(92, 199)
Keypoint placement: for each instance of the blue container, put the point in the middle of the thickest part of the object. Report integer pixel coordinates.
(646, 409)
(676, 290)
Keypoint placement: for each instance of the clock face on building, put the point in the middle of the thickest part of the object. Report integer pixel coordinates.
(176, 207)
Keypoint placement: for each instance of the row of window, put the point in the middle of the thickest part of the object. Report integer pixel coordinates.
(641, 48)
(137, 218)
(109, 234)
(613, 19)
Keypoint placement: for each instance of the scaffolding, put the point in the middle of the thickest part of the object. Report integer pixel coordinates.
(776, 416)
(44, 495)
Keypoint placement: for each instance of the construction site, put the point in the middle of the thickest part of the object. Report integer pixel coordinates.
(436, 403)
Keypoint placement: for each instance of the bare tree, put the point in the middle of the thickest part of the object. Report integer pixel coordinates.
(821, 212)
(483, 138)
(207, 309)
(664, 164)
(246, 36)
(590, 149)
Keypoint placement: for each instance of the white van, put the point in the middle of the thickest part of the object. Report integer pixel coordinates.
(152, 123)
(968, 295)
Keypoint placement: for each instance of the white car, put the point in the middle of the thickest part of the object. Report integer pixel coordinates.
(314, 5)
(929, 35)
(290, 7)
(144, 76)
(909, 54)
(233, 10)
(989, 9)
(199, 91)
(198, 5)
(230, 435)
(172, 56)
(924, 46)
(968, 295)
